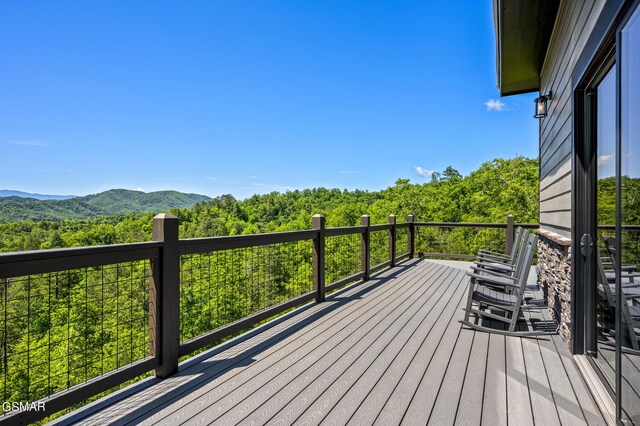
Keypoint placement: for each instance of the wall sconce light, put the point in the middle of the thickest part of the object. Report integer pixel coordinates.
(541, 105)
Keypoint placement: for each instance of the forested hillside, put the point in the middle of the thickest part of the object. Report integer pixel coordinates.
(495, 189)
(83, 323)
(108, 203)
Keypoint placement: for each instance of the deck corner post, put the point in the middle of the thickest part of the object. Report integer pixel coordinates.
(365, 246)
(164, 296)
(392, 240)
(318, 224)
(509, 234)
(411, 235)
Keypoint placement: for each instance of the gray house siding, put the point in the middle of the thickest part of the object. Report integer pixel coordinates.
(575, 21)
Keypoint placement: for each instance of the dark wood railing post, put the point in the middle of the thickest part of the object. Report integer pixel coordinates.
(411, 235)
(164, 297)
(318, 223)
(365, 247)
(509, 236)
(392, 240)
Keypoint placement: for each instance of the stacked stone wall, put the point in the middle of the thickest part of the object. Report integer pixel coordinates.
(554, 278)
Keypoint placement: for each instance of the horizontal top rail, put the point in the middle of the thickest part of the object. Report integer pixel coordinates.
(475, 225)
(200, 245)
(344, 230)
(34, 262)
(381, 227)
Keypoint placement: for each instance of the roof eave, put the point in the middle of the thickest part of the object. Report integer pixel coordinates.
(523, 30)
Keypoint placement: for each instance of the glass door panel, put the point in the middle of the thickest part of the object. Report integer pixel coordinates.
(629, 287)
(606, 216)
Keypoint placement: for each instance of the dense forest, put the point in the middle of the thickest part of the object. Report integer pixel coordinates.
(488, 194)
(61, 329)
(107, 203)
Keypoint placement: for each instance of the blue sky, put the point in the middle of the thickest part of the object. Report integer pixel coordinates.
(248, 97)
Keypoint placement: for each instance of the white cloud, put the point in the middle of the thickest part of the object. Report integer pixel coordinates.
(139, 189)
(603, 160)
(29, 143)
(421, 171)
(495, 105)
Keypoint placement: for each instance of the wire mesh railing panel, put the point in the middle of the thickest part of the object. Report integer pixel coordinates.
(62, 329)
(379, 247)
(342, 257)
(453, 242)
(220, 287)
(402, 241)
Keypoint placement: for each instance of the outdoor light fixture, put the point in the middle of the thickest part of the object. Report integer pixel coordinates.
(541, 105)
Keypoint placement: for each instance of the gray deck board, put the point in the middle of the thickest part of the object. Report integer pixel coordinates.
(470, 404)
(210, 403)
(381, 327)
(589, 408)
(518, 402)
(446, 407)
(569, 409)
(542, 404)
(295, 408)
(368, 372)
(397, 403)
(378, 396)
(387, 351)
(494, 406)
(424, 398)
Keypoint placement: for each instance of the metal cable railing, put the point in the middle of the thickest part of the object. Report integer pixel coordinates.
(461, 240)
(342, 254)
(220, 287)
(64, 328)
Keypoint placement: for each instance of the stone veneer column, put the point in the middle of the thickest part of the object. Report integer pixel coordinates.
(554, 278)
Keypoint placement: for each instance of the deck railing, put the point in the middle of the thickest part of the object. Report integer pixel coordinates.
(110, 314)
(446, 240)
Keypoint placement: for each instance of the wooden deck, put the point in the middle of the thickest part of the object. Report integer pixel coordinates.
(389, 351)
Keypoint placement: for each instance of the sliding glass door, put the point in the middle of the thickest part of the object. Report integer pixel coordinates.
(628, 233)
(607, 215)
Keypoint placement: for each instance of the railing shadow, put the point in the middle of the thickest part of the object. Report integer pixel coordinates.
(147, 398)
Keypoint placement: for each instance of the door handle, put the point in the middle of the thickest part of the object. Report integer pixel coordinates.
(586, 245)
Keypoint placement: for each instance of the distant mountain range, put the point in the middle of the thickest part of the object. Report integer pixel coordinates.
(16, 207)
(12, 193)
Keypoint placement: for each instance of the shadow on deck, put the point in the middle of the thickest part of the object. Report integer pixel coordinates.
(387, 351)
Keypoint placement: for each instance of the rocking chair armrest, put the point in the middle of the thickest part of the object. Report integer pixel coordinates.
(492, 280)
(493, 265)
(485, 258)
(478, 269)
(482, 274)
(495, 253)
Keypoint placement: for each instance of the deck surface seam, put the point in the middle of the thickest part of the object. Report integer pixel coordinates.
(373, 329)
(285, 352)
(386, 351)
(273, 350)
(329, 372)
(404, 353)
